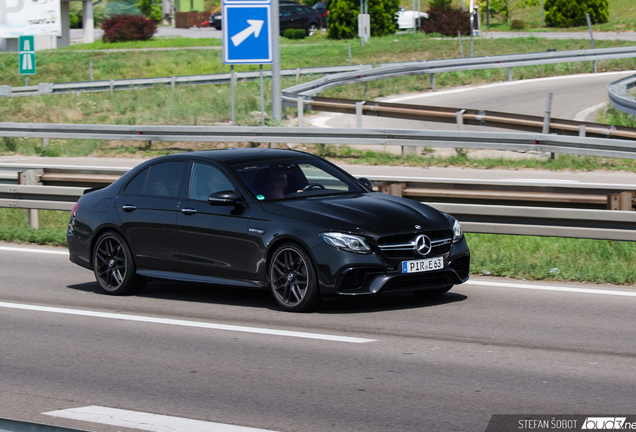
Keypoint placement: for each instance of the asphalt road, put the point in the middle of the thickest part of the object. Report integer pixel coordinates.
(446, 364)
(575, 97)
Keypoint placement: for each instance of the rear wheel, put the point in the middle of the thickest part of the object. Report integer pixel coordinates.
(292, 278)
(113, 265)
(312, 28)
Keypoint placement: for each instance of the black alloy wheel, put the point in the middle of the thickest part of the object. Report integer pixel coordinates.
(292, 278)
(113, 265)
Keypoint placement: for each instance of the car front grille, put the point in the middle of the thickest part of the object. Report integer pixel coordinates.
(402, 246)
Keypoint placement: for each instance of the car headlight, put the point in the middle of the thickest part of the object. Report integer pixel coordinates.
(457, 231)
(346, 242)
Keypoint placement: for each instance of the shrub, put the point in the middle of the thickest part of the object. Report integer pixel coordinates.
(74, 21)
(122, 28)
(517, 25)
(445, 4)
(446, 21)
(294, 34)
(343, 17)
(571, 13)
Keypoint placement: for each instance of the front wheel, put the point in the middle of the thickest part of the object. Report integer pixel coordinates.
(292, 279)
(113, 265)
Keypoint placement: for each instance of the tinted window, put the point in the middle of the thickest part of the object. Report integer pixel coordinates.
(300, 10)
(207, 180)
(164, 179)
(136, 185)
(285, 11)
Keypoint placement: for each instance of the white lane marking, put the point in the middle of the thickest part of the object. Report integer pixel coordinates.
(183, 323)
(580, 116)
(552, 288)
(145, 421)
(34, 250)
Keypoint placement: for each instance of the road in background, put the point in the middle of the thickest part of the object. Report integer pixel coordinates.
(444, 364)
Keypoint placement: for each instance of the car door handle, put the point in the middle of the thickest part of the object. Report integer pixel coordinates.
(129, 207)
(188, 211)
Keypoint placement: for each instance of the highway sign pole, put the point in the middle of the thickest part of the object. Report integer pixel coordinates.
(260, 75)
(277, 103)
(232, 92)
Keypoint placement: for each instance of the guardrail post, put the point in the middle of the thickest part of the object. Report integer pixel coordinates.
(461, 47)
(112, 86)
(394, 189)
(623, 201)
(349, 52)
(45, 142)
(297, 74)
(459, 116)
(45, 88)
(90, 69)
(5, 91)
(31, 177)
(546, 118)
(173, 81)
(359, 113)
(220, 62)
(300, 106)
(433, 81)
(582, 131)
(509, 74)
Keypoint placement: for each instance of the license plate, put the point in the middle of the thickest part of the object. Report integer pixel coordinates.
(423, 265)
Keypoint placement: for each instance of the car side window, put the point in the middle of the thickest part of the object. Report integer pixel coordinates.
(164, 179)
(299, 10)
(137, 184)
(207, 180)
(285, 12)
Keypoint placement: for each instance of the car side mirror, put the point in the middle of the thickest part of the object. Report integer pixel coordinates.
(223, 198)
(366, 182)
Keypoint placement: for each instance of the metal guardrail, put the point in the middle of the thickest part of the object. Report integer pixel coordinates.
(347, 74)
(619, 96)
(466, 116)
(138, 83)
(491, 219)
(524, 142)
(396, 70)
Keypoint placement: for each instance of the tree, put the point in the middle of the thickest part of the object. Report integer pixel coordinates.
(343, 17)
(151, 9)
(504, 8)
(571, 13)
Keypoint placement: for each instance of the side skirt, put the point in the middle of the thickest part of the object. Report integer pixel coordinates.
(158, 274)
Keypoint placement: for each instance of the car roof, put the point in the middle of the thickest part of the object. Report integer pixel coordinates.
(238, 156)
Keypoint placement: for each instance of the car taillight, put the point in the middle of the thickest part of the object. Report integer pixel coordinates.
(75, 209)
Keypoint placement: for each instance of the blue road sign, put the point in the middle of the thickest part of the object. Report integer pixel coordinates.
(247, 33)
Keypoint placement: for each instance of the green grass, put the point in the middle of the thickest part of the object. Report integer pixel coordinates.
(527, 257)
(615, 117)
(512, 256)
(71, 66)
(14, 227)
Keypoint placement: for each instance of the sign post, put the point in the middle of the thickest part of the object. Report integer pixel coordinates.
(247, 34)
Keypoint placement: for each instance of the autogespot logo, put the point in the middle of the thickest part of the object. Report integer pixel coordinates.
(606, 423)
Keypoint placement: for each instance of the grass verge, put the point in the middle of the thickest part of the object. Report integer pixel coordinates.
(519, 257)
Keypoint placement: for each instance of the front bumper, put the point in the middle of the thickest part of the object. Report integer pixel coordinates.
(348, 274)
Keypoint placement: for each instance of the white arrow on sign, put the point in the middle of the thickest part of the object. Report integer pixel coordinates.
(255, 27)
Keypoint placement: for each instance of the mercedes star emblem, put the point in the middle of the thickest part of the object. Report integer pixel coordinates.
(422, 245)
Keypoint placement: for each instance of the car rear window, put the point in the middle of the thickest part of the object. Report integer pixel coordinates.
(164, 179)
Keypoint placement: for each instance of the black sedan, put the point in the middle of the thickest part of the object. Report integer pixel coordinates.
(281, 220)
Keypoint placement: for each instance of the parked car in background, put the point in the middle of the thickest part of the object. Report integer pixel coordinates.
(282, 220)
(292, 16)
(321, 8)
(406, 18)
(296, 16)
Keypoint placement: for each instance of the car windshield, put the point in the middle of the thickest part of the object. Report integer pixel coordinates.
(269, 181)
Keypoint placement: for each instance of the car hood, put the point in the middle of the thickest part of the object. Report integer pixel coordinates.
(364, 213)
